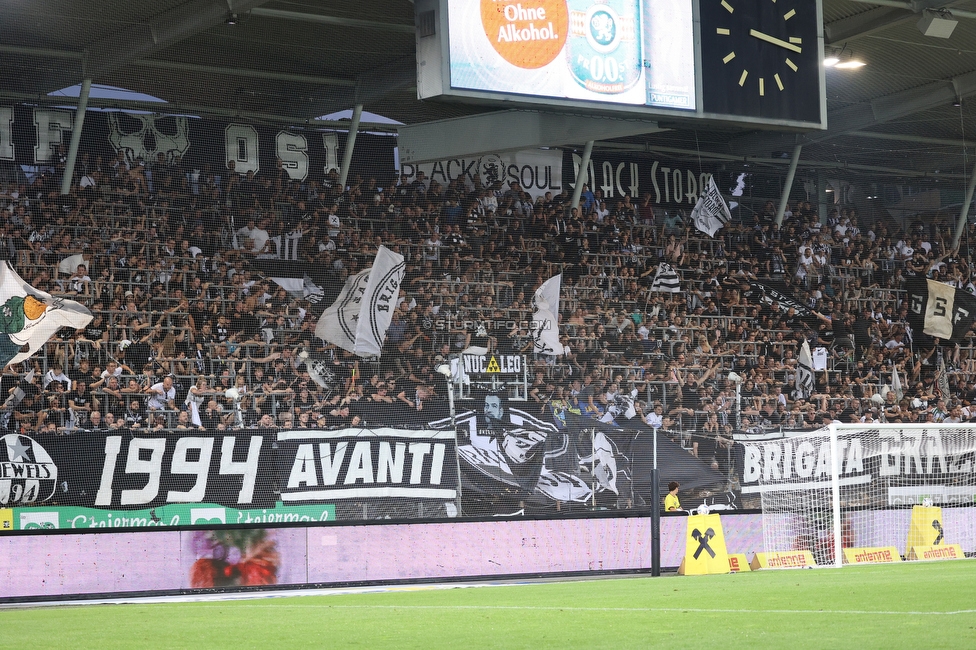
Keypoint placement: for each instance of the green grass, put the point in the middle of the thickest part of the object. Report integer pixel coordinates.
(916, 606)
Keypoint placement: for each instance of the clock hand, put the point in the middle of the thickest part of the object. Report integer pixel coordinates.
(775, 41)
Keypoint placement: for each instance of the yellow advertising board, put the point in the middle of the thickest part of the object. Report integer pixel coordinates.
(940, 552)
(926, 527)
(705, 550)
(873, 555)
(783, 560)
(738, 562)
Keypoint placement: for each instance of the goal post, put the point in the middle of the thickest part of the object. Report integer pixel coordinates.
(857, 486)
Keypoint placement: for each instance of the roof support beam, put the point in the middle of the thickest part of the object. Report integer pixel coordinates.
(69, 165)
(862, 24)
(788, 185)
(400, 28)
(916, 6)
(858, 117)
(168, 28)
(244, 72)
(370, 87)
(964, 213)
(890, 12)
(187, 67)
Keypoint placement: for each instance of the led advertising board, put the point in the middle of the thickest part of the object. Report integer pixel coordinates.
(619, 51)
(722, 60)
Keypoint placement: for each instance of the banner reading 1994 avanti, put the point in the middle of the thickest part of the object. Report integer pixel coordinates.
(135, 479)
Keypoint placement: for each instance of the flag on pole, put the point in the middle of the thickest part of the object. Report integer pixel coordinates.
(546, 318)
(711, 211)
(940, 310)
(666, 279)
(359, 318)
(942, 379)
(896, 384)
(804, 373)
(29, 317)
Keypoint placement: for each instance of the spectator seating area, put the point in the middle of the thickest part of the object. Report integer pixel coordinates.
(178, 269)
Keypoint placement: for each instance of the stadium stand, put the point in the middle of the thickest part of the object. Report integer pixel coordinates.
(175, 268)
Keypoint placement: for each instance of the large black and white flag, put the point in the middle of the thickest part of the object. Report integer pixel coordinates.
(940, 310)
(804, 373)
(358, 320)
(711, 211)
(338, 323)
(666, 279)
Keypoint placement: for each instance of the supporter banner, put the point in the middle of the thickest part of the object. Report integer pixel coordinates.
(366, 464)
(903, 465)
(506, 451)
(773, 291)
(135, 469)
(670, 183)
(32, 136)
(940, 310)
(537, 171)
(505, 364)
(201, 514)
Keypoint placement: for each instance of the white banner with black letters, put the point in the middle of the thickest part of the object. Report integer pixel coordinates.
(367, 463)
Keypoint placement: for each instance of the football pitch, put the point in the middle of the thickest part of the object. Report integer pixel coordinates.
(917, 605)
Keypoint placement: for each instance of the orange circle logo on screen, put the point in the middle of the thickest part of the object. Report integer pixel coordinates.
(528, 34)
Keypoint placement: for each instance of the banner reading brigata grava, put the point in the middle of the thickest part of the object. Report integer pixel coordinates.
(894, 465)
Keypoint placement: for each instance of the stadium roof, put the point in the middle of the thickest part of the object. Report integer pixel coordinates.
(297, 60)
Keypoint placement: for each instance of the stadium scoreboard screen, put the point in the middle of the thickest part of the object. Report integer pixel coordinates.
(754, 61)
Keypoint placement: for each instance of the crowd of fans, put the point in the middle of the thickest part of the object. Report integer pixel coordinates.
(191, 331)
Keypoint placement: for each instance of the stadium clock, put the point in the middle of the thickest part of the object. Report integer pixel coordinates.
(761, 58)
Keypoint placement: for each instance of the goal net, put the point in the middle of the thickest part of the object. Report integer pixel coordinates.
(854, 486)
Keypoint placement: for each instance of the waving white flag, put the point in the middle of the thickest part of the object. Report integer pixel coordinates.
(711, 212)
(359, 318)
(29, 317)
(546, 317)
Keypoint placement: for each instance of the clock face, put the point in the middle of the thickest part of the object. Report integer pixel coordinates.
(761, 58)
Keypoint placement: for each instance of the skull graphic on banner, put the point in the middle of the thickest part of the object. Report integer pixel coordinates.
(146, 136)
